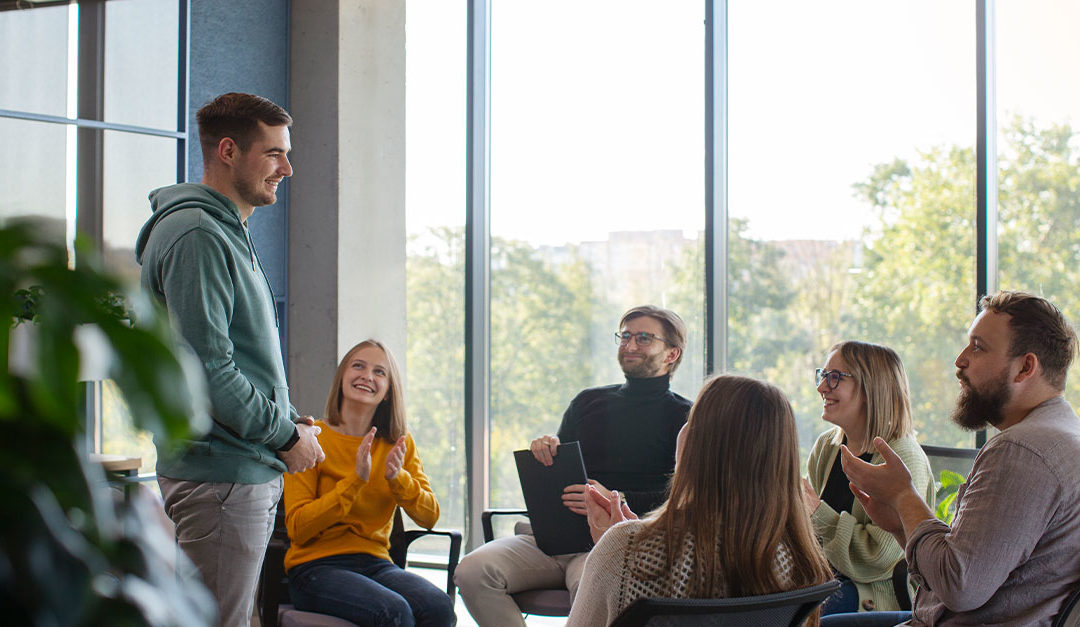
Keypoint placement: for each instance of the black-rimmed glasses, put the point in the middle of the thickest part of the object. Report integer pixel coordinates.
(643, 339)
(831, 376)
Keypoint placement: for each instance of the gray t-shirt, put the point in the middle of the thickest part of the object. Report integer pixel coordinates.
(1012, 554)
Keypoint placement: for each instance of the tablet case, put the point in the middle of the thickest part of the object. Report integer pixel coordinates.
(558, 531)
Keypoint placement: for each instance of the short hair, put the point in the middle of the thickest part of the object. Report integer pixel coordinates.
(389, 417)
(883, 385)
(236, 116)
(1038, 327)
(674, 327)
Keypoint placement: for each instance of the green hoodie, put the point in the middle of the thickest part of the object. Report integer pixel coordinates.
(198, 259)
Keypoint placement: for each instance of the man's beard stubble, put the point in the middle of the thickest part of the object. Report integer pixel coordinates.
(651, 366)
(976, 408)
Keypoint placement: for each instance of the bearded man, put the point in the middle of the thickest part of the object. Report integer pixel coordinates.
(1012, 553)
(627, 434)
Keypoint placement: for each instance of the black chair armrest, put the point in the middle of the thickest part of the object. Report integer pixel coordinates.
(399, 551)
(485, 519)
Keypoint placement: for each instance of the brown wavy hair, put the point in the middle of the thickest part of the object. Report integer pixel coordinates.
(737, 485)
(389, 416)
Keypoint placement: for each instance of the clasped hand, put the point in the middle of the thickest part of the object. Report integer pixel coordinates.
(604, 509)
(395, 459)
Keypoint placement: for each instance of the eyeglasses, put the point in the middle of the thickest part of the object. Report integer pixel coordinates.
(832, 376)
(643, 339)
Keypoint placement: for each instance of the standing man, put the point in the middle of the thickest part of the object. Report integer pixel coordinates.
(627, 434)
(1012, 553)
(198, 260)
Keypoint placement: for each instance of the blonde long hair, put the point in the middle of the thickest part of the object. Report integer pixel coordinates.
(883, 384)
(737, 484)
(389, 416)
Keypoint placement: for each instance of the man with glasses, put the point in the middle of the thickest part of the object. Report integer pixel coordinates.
(1012, 554)
(627, 433)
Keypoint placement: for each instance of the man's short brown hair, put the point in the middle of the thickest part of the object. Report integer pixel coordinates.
(674, 327)
(236, 116)
(1038, 327)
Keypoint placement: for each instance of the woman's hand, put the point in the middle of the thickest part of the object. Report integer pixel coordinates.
(363, 456)
(810, 498)
(604, 511)
(395, 458)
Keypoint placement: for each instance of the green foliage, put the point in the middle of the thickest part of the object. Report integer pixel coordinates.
(70, 554)
(949, 483)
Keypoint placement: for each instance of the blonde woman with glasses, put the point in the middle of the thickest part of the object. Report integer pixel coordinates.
(864, 393)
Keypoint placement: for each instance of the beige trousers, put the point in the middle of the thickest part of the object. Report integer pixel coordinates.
(488, 576)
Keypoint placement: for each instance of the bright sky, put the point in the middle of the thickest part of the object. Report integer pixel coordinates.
(597, 107)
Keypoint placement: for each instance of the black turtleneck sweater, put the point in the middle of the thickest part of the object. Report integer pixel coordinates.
(627, 434)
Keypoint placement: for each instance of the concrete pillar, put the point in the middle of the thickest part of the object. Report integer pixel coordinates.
(347, 195)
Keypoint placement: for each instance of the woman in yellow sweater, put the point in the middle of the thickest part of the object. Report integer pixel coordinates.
(339, 514)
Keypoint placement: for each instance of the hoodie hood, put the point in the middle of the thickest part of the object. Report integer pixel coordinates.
(167, 200)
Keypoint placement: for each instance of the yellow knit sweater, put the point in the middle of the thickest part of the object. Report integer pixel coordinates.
(331, 511)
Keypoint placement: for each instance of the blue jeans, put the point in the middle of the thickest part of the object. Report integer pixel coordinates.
(845, 599)
(865, 619)
(368, 590)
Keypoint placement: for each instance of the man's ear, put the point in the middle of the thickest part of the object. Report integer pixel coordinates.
(673, 354)
(1029, 367)
(227, 150)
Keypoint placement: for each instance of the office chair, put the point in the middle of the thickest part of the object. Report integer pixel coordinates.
(541, 601)
(781, 608)
(272, 596)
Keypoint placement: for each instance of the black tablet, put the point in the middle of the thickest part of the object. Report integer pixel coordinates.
(558, 531)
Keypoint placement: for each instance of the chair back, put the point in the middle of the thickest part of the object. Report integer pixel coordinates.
(272, 593)
(958, 460)
(781, 608)
(1070, 612)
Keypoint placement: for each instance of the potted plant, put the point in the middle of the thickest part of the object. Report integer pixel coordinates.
(71, 553)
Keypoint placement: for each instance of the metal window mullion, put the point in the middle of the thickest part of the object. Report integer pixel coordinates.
(477, 266)
(716, 206)
(184, 58)
(91, 106)
(986, 175)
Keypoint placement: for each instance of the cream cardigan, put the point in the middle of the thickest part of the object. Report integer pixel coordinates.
(853, 544)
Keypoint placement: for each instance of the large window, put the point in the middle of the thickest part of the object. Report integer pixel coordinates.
(596, 202)
(1038, 150)
(90, 119)
(435, 265)
(851, 194)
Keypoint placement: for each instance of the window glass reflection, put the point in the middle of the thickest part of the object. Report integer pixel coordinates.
(1038, 147)
(852, 203)
(435, 266)
(34, 58)
(141, 63)
(133, 165)
(597, 185)
(33, 170)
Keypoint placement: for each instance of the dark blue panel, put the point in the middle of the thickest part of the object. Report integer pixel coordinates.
(243, 45)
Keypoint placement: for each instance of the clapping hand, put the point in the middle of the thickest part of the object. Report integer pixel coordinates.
(395, 459)
(363, 455)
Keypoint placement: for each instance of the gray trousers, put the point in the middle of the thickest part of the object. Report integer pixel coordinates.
(223, 529)
(488, 576)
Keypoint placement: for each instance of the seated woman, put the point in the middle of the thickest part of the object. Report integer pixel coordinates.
(733, 525)
(339, 514)
(864, 391)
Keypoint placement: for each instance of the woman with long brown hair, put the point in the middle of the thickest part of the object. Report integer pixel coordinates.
(733, 525)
